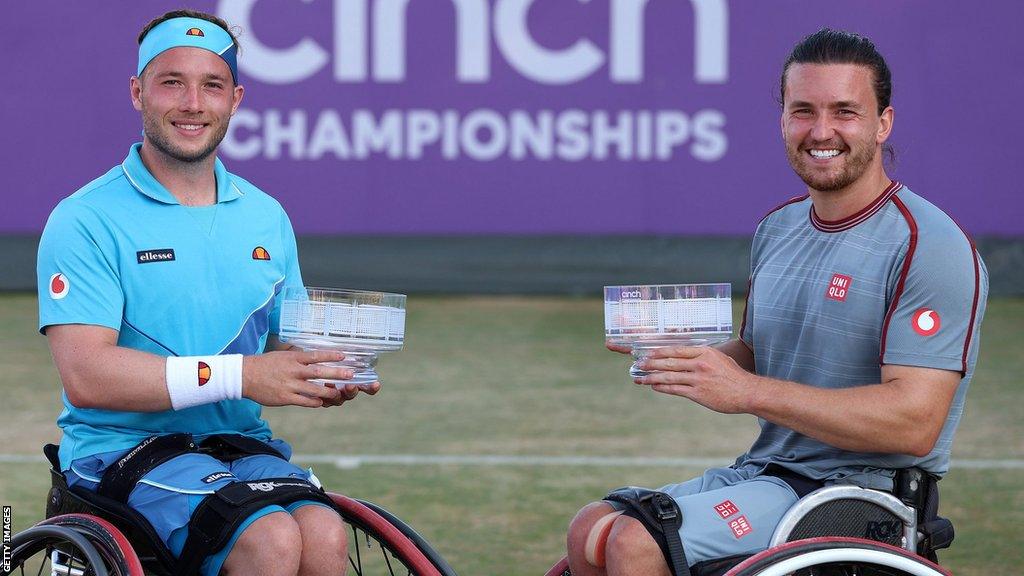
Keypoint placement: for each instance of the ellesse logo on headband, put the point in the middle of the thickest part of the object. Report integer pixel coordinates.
(194, 32)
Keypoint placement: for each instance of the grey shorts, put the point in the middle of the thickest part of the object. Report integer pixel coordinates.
(726, 512)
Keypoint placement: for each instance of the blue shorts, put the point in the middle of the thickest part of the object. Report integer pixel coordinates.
(169, 493)
(729, 512)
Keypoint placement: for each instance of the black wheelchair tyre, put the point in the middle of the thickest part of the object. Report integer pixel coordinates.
(118, 555)
(81, 554)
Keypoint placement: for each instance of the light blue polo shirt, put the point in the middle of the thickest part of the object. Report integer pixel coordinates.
(121, 252)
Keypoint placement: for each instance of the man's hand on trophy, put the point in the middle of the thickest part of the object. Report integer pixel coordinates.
(283, 378)
(350, 391)
(702, 374)
(617, 347)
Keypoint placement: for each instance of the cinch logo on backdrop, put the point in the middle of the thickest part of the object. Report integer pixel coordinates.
(369, 48)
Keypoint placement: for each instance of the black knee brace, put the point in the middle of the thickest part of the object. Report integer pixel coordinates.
(220, 514)
(660, 514)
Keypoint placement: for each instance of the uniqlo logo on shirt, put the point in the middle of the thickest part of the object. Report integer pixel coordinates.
(726, 509)
(740, 527)
(838, 287)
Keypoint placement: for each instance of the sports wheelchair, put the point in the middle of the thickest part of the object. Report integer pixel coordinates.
(85, 534)
(846, 530)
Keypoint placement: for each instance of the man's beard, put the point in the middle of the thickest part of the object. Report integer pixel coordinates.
(152, 128)
(853, 168)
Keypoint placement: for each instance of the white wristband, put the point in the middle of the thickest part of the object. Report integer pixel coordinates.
(195, 380)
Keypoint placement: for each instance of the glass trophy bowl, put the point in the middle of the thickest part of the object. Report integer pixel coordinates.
(361, 324)
(647, 317)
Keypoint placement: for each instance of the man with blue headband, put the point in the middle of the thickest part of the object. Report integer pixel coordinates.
(159, 294)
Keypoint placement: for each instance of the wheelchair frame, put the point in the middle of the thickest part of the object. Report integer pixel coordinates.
(784, 555)
(89, 539)
(891, 504)
(109, 552)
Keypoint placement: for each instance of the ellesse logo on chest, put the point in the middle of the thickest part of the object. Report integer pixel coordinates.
(158, 255)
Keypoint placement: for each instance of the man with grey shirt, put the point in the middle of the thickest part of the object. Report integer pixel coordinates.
(858, 342)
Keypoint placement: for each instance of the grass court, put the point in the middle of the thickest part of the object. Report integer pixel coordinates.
(528, 376)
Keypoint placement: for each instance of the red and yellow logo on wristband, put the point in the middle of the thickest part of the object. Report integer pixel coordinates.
(204, 373)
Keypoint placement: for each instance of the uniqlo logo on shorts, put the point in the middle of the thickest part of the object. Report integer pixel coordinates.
(740, 527)
(838, 287)
(726, 509)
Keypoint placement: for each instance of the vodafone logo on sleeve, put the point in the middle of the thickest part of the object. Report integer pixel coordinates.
(59, 286)
(926, 321)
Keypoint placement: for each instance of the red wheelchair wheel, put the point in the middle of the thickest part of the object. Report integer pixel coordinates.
(380, 543)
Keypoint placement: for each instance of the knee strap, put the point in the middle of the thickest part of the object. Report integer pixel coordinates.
(220, 514)
(597, 539)
(660, 514)
(231, 447)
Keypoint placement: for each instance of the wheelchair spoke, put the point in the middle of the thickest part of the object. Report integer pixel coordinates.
(365, 561)
(56, 558)
(65, 565)
(357, 565)
(71, 564)
(387, 561)
(49, 554)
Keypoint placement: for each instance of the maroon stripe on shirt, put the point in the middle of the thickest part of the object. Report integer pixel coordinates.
(750, 280)
(858, 217)
(746, 303)
(903, 273)
(977, 294)
(793, 200)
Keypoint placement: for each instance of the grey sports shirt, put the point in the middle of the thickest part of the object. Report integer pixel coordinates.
(831, 302)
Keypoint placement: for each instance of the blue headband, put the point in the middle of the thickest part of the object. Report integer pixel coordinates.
(193, 32)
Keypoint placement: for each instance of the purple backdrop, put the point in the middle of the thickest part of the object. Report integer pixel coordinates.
(521, 116)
